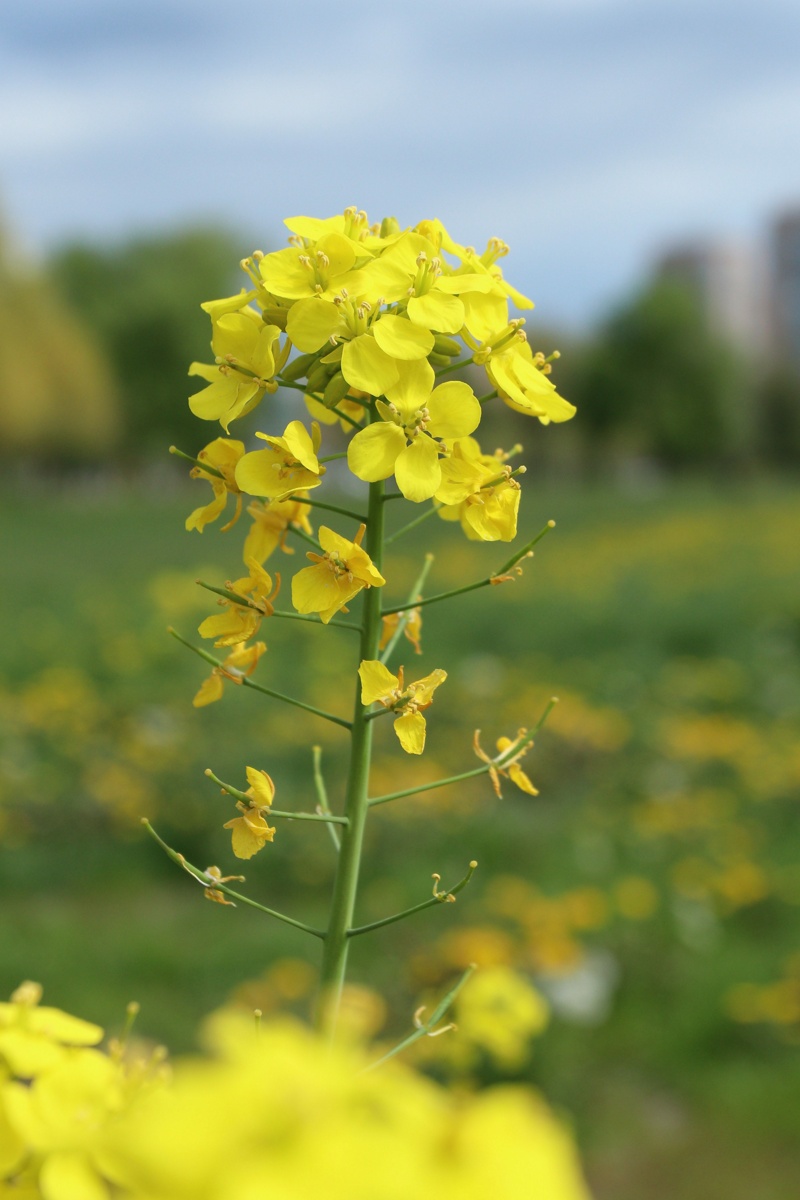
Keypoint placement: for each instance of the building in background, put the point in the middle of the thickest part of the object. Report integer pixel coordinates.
(785, 272)
(730, 281)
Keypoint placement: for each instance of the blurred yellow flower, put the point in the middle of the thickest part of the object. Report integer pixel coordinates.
(240, 622)
(271, 523)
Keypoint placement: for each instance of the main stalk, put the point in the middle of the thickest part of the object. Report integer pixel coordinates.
(334, 960)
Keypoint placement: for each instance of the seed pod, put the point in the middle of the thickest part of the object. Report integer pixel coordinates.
(273, 315)
(446, 345)
(298, 367)
(336, 390)
(318, 379)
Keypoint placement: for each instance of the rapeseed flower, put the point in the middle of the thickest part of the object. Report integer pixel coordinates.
(379, 684)
(404, 443)
(221, 455)
(271, 523)
(510, 768)
(338, 574)
(240, 622)
(250, 832)
(248, 356)
(240, 663)
(289, 464)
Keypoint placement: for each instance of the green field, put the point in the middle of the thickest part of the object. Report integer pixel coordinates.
(651, 890)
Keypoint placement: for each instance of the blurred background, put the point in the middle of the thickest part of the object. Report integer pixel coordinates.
(641, 162)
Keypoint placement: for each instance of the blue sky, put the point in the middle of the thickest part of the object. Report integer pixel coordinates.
(586, 133)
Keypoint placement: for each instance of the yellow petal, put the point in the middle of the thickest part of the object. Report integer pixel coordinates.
(209, 512)
(377, 681)
(455, 410)
(317, 590)
(438, 311)
(311, 323)
(424, 688)
(410, 729)
(401, 338)
(518, 776)
(372, 453)
(249, 834)
(210, 690)
(262, 786)
(69, 1175)
(366, 367)
(417, 469)
(413, 386)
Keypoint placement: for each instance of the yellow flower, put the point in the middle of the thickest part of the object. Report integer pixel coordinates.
(521, 378)
(319, 269)
(412, 628)
(241, 662)
(222, 455)
(353, 322)
(412, 272)
(33, 1036)
(240, 622)
(289, 465)
(336, 576)
(248, 356)
(271, 523)
(250, 832)
(510, 768)
(498, 1012)
(403, 443)
(378, 684)
(477, 490)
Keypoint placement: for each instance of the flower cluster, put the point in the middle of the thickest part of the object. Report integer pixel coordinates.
(271, 1111)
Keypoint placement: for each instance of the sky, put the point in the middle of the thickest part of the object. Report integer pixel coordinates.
(588, 134)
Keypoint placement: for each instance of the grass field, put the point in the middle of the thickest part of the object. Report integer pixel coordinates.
(651, 890)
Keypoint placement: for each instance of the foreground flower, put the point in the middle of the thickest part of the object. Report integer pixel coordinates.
(477, 489)
(240, 663)
(522, 380)
(241, 621)
(248, 356)
(221, 455)
(290, 464)
(250, 832)
(403, 444)
(510, 768)
(336, 576)
(378, 684)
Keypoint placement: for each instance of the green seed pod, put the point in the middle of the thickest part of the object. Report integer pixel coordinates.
(439, 360)
(446, 345)
(318, 379)
(336, 390)
(298, 367)
(273, 315)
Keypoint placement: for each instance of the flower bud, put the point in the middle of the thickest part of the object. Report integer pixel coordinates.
(299, 367)
(446, 345)
(335, 390)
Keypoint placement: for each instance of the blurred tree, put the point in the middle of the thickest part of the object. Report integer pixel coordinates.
(778, 407)
(142, 300)
(657, 381)
(58, 399)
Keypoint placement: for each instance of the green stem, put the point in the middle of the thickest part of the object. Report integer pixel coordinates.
(343, 512)
(208, 881)
(489, 396)
(465, 362)
(334, 961)
(437, 898)
(196, 462)
(322, 792)
(290, 616)
(306, 537)
(332, 457)
(413, 595)
(471, 587)
(413, 524)
(426, 1028)
(258, 687)
(273, 812)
